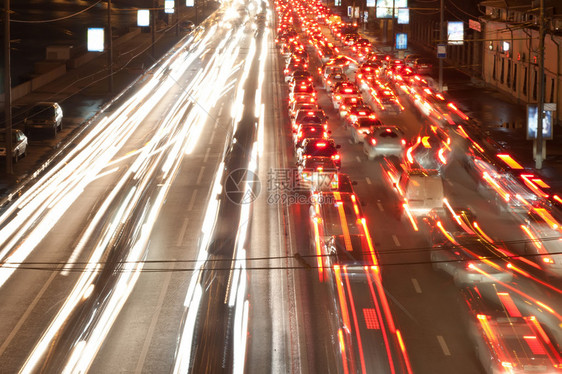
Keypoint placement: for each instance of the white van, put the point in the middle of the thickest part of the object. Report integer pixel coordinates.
(422, 189)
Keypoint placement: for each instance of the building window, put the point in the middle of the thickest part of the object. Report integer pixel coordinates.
(514, 77)
(525, 81)
(494, 69)
(508, 73)
(535, 84)
(501, 75)
(551, 90)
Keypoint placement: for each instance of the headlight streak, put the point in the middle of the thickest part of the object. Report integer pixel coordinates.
(143, 173)
(237, 295)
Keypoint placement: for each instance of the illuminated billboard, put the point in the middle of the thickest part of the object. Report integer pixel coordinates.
(455, 33)
(143, 17)
(169, 6)
(401, 40)
(384, 7)
(403, 16)
(533, 121)
(95, 39)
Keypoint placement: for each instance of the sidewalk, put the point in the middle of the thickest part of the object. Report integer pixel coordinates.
(82, 92)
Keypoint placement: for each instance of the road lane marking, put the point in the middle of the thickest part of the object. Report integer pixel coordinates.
(200, 176)
(443, 345)
(155, 316)
(358, 158)
(396, 241)
(416, 286)
(220, 110)
(211, 138)
(179, 241)
(381, 208)
(206, 154)
(368, 180)
(192, 201)
(26, 314)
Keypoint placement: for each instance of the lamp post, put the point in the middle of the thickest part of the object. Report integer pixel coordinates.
(540, 98)
(7, 88)
(109, 47)
(441, 21)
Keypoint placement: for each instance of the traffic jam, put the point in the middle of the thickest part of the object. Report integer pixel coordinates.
(513, 328)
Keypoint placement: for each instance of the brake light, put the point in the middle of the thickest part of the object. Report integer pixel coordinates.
(359, 76)
(336, 157)
(338, 97)
(373, 141)
(470, 266)
(362, 113)
(321, 145)
(403, 142)
(348, 90)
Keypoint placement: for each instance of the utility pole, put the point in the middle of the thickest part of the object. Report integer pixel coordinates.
(7, 88)
(393, 41)
(540, 102)
(153, 23)
(441, 37)
(109, 47)
(178, 19)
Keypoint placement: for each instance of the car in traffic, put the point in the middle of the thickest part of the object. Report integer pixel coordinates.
(333, 79)
(308, 131)
(418, 190)
(507, 338)
(470, 260)
(411, 58)
(348, 102)
(341, 90)
(423, 66)
(543, 242)
(319, 148)
(19, 144)
(359, 128)
(356, 112)
(385, 99)
(44, 116)
(295, 106)
(303, 89)
(318, 173)
(384, 141)
(310, 117)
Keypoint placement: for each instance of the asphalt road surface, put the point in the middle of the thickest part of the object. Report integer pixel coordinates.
(157, 244)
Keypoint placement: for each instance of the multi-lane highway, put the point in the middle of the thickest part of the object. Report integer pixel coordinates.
(177, 234)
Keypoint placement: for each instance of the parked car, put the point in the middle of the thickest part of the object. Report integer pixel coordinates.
(19, 144)
(44, 116)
